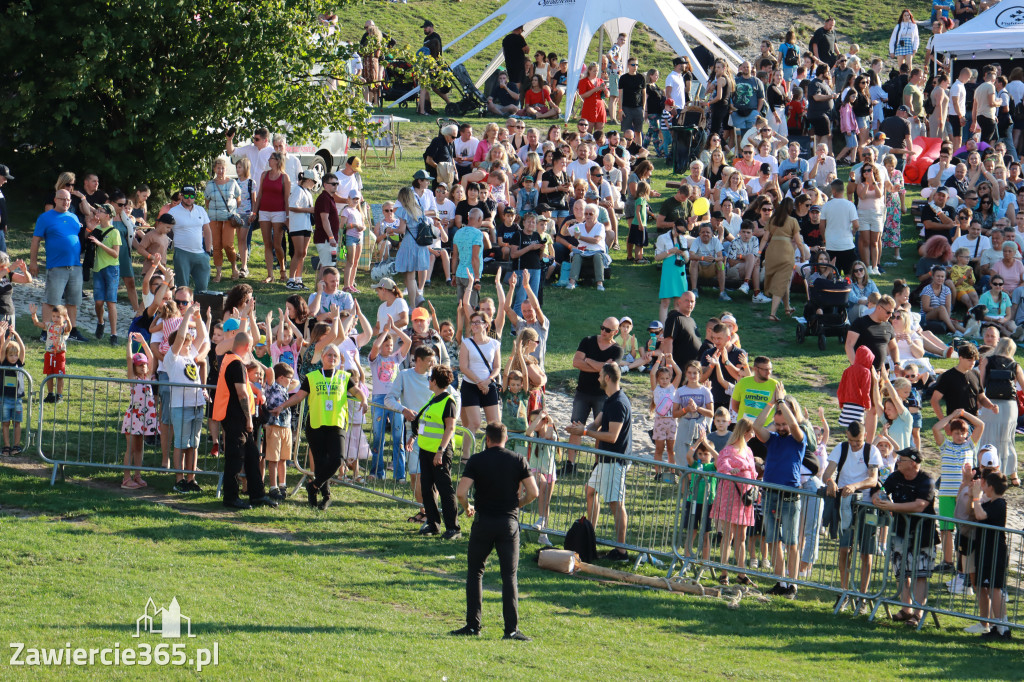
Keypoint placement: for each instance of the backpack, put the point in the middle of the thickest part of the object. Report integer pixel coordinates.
(1000, 373)
(582, 539)
(792, 57)
(844, 450)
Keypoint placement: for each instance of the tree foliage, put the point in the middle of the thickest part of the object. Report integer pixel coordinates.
(142, 90)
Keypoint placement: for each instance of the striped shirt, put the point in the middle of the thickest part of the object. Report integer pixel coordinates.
(953, 459)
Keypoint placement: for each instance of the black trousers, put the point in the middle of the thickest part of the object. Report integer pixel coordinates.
(501, 533)
(240, 452)
(439, 477)
(988, 129)
(325, 444)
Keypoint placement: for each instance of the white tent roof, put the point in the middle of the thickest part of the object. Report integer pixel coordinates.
(996, 33)
(584, 18)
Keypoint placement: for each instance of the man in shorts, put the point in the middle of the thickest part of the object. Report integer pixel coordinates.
(58, 230)
(325, 221)
(784, 451)
(611, 431)
(908, 490)
(592, 354)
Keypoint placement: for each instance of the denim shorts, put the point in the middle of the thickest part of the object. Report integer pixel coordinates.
(863, 122)
(164, 392)
(10, 410)
(412, 456)
(560, 213)
(851, 139)
(781, 517)
(64, 285)
(188, 423)
(105, 282)
(352, 241)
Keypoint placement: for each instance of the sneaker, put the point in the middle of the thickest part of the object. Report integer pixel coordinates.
(617, 555)
(544, 540)
(745, 288)
(290, 284)
(766, 566)
(50, 398)
(754, 563)
(76, 335)
(59, 399)
(428, 529)
(777, 589)
(465, 631)
(722, 296)
(517, 636)
(570, 286)
(760, 298)
(179, 487)
(99, 330)
(114, 340)
(790, 593)
(994, 634)
(193, 487)
(541, 520)
(452, 534)
(600, 286)
(978, 628)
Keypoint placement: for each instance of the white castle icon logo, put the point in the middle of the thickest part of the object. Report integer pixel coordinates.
(164, 622)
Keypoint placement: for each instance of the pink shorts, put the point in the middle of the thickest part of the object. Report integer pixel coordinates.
(664, 427)
(547, 478)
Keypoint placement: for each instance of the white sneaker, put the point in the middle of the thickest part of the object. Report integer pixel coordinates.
(570, 286)
(540, 522)
(955, 584)
(978, 628)
(754, 563)
(543, 539)
(600, 287)
(745, 288)
(761, 298)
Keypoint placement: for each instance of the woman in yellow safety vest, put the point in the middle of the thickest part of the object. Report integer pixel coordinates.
(435, 426)
(327, 407)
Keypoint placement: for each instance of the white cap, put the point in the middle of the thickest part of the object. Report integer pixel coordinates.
(988, 457)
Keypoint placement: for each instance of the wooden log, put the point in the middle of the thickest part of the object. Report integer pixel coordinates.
(647, 581)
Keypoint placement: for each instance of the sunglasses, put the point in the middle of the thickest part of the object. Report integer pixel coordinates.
(188, 196)
(608, 330)
(766, 209)
(859, 270)
(997, 284)
(389, 210)
(747, 153)
(121, 204)
(330, 184)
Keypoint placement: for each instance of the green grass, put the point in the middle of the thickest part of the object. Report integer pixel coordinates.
(351, 594)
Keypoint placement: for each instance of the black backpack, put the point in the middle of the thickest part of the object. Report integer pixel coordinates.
(582, 539)
(792, 57)
(1000, 373)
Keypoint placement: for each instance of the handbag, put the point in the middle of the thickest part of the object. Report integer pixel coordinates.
(747, 498)
(233, 217)
(483, 357)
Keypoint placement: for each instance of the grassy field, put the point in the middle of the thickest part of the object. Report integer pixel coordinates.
(352, 594)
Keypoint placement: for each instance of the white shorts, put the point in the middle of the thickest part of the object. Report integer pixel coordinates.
(323, 252)
(609, 480)
(870, 221)
(277, 217)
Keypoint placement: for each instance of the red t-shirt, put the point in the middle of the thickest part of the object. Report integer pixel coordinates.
(324, 204)
(541, 97)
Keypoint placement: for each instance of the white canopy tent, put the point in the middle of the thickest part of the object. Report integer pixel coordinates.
(996, 33)
(584, 18)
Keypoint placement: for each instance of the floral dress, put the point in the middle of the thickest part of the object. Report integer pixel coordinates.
(893, 212)
(140, 419)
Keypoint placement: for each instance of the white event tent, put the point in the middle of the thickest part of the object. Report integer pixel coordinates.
(584, 18)
(996, 33)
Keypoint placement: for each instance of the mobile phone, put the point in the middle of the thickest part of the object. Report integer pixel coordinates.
(231, 131)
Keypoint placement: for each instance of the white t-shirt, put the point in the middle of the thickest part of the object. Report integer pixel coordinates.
(293, 168)
(957, 94)
(664, 243)
(580, 170)
(1016, 90)
(972, 245)
(675, 81)
(854, 469)
(446, 211)
(397, 307)
(426, 201)
(258, 161)
(349, 353)
(466, 148)
(580, 230)
(490, 350)
(188, 228)
(301, 198)
(838, 216)
(933, 170)
(347, 183)
(732, 226)
(183, 369)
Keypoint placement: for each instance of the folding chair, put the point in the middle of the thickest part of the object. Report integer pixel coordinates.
(383, 147)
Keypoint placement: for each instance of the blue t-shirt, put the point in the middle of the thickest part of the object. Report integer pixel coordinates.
(782, 460)
(60, 233)
(800, 165)
(465, 239)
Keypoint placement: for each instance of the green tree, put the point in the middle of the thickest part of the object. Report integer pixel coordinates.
(142, 90)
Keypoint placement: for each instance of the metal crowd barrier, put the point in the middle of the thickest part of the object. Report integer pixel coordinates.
(84, 429)
(953, 590)
(374, 457)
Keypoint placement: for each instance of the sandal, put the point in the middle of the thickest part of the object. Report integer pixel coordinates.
(723, 579)
(5, 451)
(17, 450)
(269, 279)
(419, 517)
(913, 621)
(773, 318)
(1015, 482)
(744, 580)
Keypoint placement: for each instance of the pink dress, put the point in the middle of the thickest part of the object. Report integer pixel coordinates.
(728, 505)
(141, 418)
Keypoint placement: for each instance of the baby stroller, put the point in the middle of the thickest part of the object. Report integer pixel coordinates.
(398, 80)
(472, 99)
(829, 294)
(689, 138)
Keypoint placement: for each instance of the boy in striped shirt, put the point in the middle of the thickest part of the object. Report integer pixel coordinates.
(955, 450)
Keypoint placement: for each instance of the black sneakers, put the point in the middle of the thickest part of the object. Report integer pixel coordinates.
(238, 504)
(453, 534)
(517, 636)
(99, 330)
(465, 631)
(76, 335)
(429, 529)
(311, 493)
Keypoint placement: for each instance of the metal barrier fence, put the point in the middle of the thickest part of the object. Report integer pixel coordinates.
(382, 466)
(16, 410)
(85, 428)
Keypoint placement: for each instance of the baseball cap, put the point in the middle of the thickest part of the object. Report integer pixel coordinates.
(426, 23)
(669, 102)
(676, 61)
(881, 135)
(591, 194)
(794, 184)
(419, 314)
(140, 359)
(166, 218)
(988, 457)
(262, 341)
(422, 174)
(766, 168)
(509, 210)
(904, 108)
(811, 184)
(188, 189)
(815, 207)
(910, 453)
(385, 283)
(543, 207)
(354, 194)
(625, 319)
(528, 178)
(6, 172)
(230, 325)
(655, 326)
(311, 175)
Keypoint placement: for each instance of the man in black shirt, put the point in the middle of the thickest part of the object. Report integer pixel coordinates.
(593, 353)
(823, 43)
(722, 354)
(681, 330)
(612, 432)
(526, 259)
(633, 93)
(240, 448)
(937, 217)
(897, 134)
(498, 474)
(515, 50)
(960, 385)
(432, 44)
(874, 331)
(555, 187)
(908, 490)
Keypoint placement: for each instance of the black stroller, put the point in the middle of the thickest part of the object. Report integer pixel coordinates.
(472, 99)
(689, 138)
(398, 81)
(829, 294)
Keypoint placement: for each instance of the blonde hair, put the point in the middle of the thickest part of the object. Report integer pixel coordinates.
(739, 432)
(65, 178)
(246, 165)
(221, 160)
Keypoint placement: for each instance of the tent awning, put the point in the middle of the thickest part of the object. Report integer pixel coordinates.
(996, 33)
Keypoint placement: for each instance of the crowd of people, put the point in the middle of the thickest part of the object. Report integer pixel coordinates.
(546, 207)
